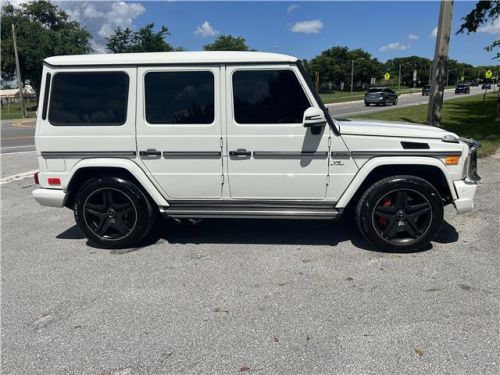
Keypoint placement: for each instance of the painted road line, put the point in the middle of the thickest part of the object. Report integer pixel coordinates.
(17, 152)
(17, 177)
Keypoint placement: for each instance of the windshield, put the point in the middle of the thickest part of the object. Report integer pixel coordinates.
(374, 90)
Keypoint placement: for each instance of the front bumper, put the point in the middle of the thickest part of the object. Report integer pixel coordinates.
(466, 189)
(50, 197)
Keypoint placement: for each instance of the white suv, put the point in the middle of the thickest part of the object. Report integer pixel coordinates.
(123, 138)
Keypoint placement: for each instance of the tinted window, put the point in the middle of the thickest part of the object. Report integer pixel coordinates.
(179, 97)
(88, 98)
(268, 97)
(46, 95)
(374, 90)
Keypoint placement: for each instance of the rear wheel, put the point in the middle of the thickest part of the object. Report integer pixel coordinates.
(400, 213)
(113, 212)
(367, 104)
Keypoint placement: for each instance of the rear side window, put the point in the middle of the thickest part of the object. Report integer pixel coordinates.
(179, 97)
(268, 97)
(89, 98)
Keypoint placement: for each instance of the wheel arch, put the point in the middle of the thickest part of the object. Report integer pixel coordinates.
(92, 168)
(430, 169)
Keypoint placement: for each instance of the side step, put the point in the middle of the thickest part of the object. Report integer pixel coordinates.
(260, 210)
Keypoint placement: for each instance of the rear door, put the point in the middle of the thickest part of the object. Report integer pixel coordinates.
(179, 129)
(271, 155)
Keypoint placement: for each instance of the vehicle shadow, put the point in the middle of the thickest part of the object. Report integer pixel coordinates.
(261, 232)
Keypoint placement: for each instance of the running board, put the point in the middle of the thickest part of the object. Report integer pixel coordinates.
(252, 211)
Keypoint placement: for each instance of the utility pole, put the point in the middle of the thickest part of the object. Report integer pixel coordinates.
(440, 63)
(399, 78)
(352, 76)
(18, 70)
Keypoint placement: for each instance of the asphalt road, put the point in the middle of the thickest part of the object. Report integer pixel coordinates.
(405, 100)
(258, 297)
(17, 135)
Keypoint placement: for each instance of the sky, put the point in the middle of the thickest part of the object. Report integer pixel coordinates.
(303, 29)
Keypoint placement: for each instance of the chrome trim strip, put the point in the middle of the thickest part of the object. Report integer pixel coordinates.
(88, 154)
(167, 154)
(340, 154)
(252, 213)
(293, 154)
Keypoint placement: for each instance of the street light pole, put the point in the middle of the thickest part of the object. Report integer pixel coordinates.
(18, 71)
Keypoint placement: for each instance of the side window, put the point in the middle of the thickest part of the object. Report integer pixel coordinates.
(268, 97)
(179, 97)
(89, 99)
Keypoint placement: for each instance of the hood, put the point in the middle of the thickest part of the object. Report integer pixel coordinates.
(390, 129)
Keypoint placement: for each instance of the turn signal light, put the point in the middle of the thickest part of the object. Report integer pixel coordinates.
(451, 160)
(54, 181)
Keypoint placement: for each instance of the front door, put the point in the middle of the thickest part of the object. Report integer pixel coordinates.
(179, 131)
(270, 154)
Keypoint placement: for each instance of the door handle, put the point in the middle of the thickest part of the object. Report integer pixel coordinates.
(150, 152)
(240, 152)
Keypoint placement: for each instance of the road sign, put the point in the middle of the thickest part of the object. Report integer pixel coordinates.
(488, 74)
(387, 76)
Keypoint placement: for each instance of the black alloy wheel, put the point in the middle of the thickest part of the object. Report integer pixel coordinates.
(114, 213)
(110, 213)
(402, 216)
(400, 213)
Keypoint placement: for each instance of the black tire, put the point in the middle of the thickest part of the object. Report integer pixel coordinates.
(385, 103)
(367, 104)
(395, 101)
(113, 213)
(400, 213)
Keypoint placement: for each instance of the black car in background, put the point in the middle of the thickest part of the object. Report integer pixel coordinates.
(380, 95)
(462, 89)
(486, 86)
(426, 90)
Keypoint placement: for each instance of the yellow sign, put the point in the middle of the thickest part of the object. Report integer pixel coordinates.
(488, 74)
(462, 78)
(387, 76)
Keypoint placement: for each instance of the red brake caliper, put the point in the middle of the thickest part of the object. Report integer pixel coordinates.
(382, 221)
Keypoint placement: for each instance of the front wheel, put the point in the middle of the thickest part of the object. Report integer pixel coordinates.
(400, 213)
(113, 212)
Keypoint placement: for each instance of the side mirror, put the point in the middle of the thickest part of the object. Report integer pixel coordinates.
(314, 116)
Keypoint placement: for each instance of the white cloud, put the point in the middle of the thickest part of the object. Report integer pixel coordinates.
(292, 7)
(101, 18)
(412, 36)
(396, 46)
(308, 27)
(434, 32)
(205, 30)
(491, 28)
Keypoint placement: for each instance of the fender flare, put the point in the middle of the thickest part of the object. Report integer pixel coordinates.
(376, 162)
(126, 164)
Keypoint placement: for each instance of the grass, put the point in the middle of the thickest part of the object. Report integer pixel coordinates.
(464, 116)
(13, 110)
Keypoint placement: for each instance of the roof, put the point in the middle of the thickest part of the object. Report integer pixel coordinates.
(203, 57)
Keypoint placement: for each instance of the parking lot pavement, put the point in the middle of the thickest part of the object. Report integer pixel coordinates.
(259, 297)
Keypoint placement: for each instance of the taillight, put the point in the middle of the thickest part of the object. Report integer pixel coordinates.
(35, 177)
(54, 181)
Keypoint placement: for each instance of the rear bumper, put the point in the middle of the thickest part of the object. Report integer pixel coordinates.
(374, 100)
(50, 197)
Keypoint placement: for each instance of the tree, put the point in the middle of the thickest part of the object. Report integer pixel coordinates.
(227, 43)
(484, 12)
(408, 65)
(143, 40)
(335, 64)
(42, 30)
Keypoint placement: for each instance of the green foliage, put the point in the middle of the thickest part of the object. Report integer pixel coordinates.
(227, 43)
(143, 40)
(465, 116)
(408, 65)
(42, 30)
(334, 65)
(483, 12)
